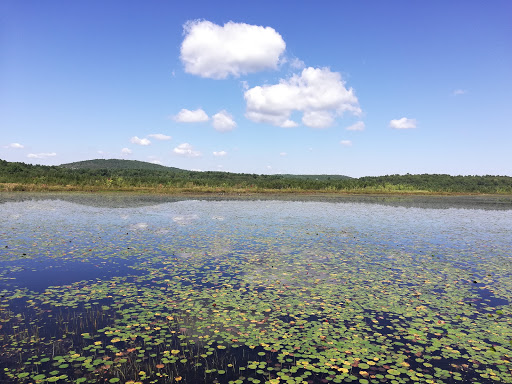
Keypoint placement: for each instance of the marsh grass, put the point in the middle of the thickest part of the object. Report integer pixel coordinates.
(207, 190)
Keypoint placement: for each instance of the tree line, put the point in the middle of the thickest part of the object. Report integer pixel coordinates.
(125, 178)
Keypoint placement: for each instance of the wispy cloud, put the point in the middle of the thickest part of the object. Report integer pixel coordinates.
(295, 63)
(220, 153)
(43, 155)
(403, 123)
(15, 146)
(160, 136)
(359, 126)
(458, 92)
(126, 151)
(346, 143)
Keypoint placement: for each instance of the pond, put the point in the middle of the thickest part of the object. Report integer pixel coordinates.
(158, 289)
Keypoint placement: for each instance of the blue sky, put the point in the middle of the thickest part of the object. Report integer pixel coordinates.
(335, 87)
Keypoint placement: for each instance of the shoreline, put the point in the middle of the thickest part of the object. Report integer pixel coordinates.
(231, 191)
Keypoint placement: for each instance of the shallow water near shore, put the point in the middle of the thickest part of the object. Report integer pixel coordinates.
(159, 289)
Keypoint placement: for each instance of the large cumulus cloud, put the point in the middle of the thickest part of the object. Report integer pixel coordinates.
(214, 51)
(318, 93)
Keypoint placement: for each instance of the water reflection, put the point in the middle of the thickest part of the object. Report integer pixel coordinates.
(392, 287)
(130, 200)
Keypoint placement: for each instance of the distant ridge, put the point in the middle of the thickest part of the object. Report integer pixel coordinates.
(122, 164)
(114, 164)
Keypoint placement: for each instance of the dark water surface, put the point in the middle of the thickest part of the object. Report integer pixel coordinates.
(158, 289)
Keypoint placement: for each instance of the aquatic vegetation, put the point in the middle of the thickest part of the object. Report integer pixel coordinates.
(276, 292)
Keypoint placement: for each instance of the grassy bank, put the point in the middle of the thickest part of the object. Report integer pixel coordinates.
(210, 190)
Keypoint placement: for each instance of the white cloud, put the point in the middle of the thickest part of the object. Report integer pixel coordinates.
(187, 116)
(136, 140)
(317, 92)
(214, 51)
(223, 121)
(126, 151)
(220, 153)
(187, 150)
(41, 155)
(156, 162)
(359, 126)
(458, 92)
(346, 143)
(403, 123)
(160, 136)
(283, 154)
(16, 146)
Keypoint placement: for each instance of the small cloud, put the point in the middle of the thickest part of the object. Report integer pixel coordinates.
(220, 154)
(458, 92)
(136, 140)
(156, 162)
(160, 136)
(188, 116)
(41, 155)
(223, 121)
(126, 151)
(16, 146)
(269, 167)
(346, 143)
(403, 123)
(283, 154)
(187, 150)
(359, 126)
(214, 51)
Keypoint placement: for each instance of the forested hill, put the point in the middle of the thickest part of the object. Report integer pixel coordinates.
(21, 176)
(113, 164)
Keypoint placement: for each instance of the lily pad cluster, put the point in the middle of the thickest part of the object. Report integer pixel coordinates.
(268, 294)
